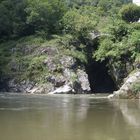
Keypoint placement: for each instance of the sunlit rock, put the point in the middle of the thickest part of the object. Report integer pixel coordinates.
(63, 89)
(126, 90)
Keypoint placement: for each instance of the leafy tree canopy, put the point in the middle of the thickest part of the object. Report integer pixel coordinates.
(130, 13)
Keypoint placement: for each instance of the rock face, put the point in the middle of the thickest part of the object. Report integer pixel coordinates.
(63, 75)
(23, 86)
(119, 73)
(83, 80)
(126, 91)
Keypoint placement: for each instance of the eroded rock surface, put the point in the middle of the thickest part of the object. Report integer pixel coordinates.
(63, 75)
(126, 90)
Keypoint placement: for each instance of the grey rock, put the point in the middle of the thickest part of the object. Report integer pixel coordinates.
(41, 89)
(77, 87)
(126, 89)
(49, 50)
(83, 80)
(14, 66)
(52, 66)
(26, 49)
(69, 73)
(58, 81)
(23, 86)
(67, 61)
(64, 89)
(62, 75)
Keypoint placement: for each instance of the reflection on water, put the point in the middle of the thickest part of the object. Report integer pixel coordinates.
(68, 117)
(130, 110)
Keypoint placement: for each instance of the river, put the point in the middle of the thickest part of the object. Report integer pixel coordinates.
(68, 117)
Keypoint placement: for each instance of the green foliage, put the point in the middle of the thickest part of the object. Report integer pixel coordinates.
(5, 56)
(5, 21)
(36, 68)
(105, 4)
(118, 30)
(114, 44)
(30, 40)
(79, 22)
(17, 52)
(28, 17)
(65, 25)
(134, 39)
(102, 52)
(81, 56)
(136, 88)
(13, 19)
(121, 43)
(45, 14)
(130, 13)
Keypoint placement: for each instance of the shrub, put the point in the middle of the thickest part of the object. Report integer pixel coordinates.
(36, 68)
(130, 13)
(136, 88)
(76, 23)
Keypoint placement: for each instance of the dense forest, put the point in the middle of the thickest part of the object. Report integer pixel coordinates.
(105, 31)
(28, 17)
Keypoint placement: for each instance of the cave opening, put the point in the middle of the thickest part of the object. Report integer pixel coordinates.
(3, 86)
(99, 78)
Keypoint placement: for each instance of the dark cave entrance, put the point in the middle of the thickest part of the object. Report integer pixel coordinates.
(99, 78)
(3, 86)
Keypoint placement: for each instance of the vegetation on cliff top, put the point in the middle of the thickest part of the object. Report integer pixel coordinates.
(27, 25)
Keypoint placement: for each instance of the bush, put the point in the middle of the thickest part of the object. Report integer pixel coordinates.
(130, 13)
(77, 23)
(36, 68)
(136, 88)
(45, 14)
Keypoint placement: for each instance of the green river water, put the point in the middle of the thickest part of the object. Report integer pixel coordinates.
(68, 117)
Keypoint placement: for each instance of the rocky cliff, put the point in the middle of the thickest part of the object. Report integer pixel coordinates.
(44, 67)
(62, 65)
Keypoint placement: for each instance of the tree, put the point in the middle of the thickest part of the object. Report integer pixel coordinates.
(79, 22)
(130, 13)
(45, 14)
(13, 19)
(6, 19)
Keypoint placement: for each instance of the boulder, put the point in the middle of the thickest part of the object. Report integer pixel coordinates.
(83, 80)
(126, 90)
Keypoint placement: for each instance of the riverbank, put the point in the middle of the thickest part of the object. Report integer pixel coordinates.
(74, 52)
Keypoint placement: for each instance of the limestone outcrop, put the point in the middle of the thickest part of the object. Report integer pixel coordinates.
(130, 88)
(63, 75)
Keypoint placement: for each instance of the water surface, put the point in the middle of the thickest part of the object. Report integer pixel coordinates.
(68, 117)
